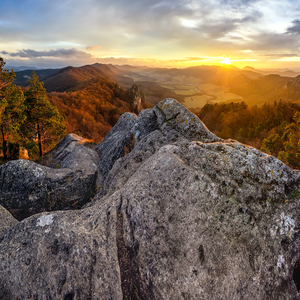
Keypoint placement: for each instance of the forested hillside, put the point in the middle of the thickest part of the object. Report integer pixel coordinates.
(273, 128)
(85, 102)
(91, 101)
(93, 110)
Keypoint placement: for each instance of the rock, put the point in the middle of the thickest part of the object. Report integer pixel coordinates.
(136, 97)
(145, 124)
(6, 221)
(61, 255)
(182, 120)
(70, 181)
(176, 218)
(117, 143)
(71, 153)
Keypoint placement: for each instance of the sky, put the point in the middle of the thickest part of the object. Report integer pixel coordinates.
(172, 33)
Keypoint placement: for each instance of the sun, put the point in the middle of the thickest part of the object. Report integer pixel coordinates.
(226, 61)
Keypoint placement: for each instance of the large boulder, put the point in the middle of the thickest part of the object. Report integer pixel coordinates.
(69, 182)
(176, 218)
(6, 221)
(117, 143)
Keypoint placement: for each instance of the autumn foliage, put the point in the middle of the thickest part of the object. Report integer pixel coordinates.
(273, 128)
(92, 110)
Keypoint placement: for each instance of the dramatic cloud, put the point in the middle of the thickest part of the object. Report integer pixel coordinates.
(295, 28)
(280, 55)
(158, 30)
(59, 53)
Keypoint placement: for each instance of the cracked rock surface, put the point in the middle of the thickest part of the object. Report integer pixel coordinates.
(6, 221)
(66, 180)
(184, 215)
(117, 143)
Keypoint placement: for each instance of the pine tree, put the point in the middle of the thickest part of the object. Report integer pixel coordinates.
(11, 108)
(44, 121)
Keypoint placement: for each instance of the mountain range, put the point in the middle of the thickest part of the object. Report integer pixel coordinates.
(193, 86)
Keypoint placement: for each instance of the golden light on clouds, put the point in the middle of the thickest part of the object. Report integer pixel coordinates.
(226, 61)
(259, 33)
(93, 48)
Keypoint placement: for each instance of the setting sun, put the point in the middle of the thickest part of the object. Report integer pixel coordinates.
(226, 61)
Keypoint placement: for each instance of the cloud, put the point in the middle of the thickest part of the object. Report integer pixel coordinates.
(218, 30)
(59, 53)
(161, 29)
(281, 43)
(186, 59)
(93, 48)
(281, 55)
(294, 29)
(195, 58)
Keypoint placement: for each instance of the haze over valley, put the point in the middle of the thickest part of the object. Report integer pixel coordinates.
(193, 86)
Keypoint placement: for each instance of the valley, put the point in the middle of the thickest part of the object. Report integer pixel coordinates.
(194, 86)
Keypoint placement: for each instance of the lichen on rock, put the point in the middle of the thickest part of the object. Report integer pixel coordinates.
(182, 215)
(28, 187)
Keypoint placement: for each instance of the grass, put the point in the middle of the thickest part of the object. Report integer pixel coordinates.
(185, 92)
(135, 78)
(197, 95)
(197, 101)
(183, 87)
(167, 87)
(224, 96)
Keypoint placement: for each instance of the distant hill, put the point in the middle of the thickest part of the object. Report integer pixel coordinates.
(23, 76)
(72, 78)
(262, 90)
(250, 84)
(281, 72)
(68, 78)
(90, 96)
(93, 106)
(292, 90)
(21, 68)
(248, 68)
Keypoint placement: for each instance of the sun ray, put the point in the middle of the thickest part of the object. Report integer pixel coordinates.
(226, 61)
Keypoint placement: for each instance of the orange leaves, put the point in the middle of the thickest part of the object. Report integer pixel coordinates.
(92, 110)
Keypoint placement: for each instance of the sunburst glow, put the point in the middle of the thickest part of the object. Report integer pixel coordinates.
(226, 61)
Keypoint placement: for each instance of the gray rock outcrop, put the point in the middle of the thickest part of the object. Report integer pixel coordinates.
(69, 182)
(6, 221)
(176, 218)
(117, 143)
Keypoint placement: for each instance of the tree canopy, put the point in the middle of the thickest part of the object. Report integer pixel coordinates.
(26, 119)
(44, 122)
(273, 128)
(12, 109)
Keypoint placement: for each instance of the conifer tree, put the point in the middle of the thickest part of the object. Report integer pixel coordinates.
(11, 108)
(44, 121)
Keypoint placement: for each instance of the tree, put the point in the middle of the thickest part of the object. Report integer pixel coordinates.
(291, 142)
(11, 108)
(44, 121)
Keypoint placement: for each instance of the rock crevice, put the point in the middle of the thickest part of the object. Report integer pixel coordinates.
(181, 214)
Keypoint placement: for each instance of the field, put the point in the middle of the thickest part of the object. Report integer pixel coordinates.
(197, 101)
(185, 92)
(198, 95)
(136, 78)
